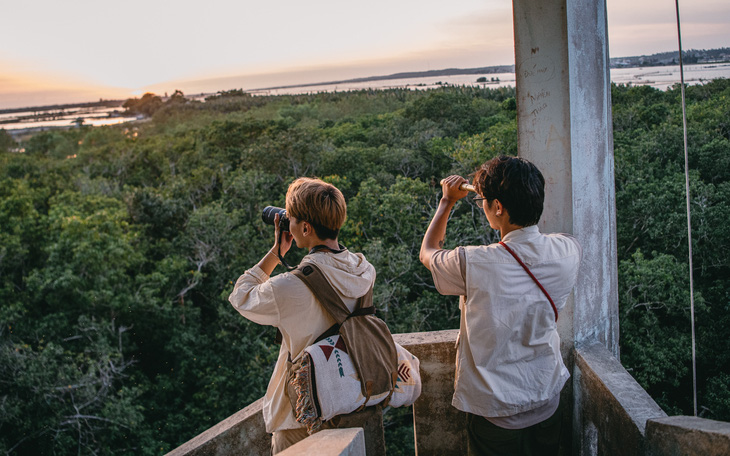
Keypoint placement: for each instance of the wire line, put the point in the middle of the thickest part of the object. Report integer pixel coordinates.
(689, 219)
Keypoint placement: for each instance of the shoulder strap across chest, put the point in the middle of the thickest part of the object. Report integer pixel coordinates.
(315, 280)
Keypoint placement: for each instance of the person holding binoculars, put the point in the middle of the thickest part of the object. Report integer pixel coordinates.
(315, 212)
(509, 369)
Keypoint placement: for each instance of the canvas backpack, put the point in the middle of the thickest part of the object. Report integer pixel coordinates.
(361, 335)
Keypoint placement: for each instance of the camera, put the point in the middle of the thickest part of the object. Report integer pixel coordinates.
(268, 217)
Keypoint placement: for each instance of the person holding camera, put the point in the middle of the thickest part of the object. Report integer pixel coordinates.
(509, 369)
(315, 212)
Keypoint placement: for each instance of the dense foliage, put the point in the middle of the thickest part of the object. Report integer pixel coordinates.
(119, 247)
(653, 248)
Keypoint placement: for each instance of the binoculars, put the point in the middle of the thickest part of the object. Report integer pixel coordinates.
(467, 187)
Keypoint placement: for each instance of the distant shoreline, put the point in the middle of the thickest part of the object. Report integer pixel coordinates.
(406, 75)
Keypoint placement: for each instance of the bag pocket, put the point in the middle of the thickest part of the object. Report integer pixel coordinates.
(302, 391)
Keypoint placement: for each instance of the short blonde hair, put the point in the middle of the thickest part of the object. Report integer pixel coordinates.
(319, 203)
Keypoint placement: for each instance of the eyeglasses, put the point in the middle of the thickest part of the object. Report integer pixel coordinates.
(477, 199)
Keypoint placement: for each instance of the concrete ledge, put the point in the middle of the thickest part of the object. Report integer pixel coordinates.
(442, 427)
(330, 442)
(610, 407)
(687, 436)
(439, 427)
(244, 432)
(421, 340)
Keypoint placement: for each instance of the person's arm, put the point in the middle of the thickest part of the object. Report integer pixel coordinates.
(253, 295)
(433, 240)
(270, 260)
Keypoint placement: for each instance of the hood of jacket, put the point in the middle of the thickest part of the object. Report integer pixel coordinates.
(350, 274)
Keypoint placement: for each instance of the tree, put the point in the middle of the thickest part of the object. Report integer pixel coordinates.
(177, 98)
(6, 141)
(147, 105)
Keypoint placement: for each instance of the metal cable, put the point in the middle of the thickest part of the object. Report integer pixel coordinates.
(689, 219)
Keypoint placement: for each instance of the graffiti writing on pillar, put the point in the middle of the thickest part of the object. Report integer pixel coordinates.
(534, 112)
(536, 97)
(535, 71)
(538, 101)
(538, 68)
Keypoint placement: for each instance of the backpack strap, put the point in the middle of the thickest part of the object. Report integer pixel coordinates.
(317, 283)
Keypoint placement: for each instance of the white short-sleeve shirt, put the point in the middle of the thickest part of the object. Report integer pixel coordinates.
(509, 368)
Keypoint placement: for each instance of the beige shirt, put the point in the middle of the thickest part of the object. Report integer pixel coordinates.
(285, 301)
(509, 366)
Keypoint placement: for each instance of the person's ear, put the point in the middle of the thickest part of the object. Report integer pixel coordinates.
(305, 228)
(499, 207)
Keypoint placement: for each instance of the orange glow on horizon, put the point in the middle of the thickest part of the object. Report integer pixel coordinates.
(28, 90)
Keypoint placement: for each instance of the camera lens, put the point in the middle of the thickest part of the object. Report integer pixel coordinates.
(270, 212)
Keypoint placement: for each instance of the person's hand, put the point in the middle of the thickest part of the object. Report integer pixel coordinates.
(286, 238)
(450, 187)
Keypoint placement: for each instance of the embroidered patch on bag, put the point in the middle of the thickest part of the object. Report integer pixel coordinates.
(404, 372)
(334, 347)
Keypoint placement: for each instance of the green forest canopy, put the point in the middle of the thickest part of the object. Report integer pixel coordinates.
(119, 246)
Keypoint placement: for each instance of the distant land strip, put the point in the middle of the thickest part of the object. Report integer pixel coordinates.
(407, 75)
(691, 56)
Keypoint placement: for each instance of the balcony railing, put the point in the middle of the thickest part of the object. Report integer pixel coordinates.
(611, 415)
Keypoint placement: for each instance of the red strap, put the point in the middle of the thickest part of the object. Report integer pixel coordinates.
(524, 266)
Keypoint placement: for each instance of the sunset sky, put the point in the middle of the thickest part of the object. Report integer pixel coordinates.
(82, 50)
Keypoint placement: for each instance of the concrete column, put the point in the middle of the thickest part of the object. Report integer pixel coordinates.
(565, 128)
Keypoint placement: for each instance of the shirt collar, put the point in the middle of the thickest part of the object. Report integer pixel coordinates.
(522, 234)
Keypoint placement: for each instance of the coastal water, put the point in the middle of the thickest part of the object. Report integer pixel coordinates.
(54, 118)
(665, 77)
(658, 77)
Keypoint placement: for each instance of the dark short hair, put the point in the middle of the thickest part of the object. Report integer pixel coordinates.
(517, 184)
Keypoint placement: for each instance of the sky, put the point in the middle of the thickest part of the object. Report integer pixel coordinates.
(82, 50)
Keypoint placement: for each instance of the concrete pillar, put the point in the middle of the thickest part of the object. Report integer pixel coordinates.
(565, 128)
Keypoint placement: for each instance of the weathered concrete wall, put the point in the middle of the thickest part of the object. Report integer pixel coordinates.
(243, 432)
(439, 427)
(687, 436)
(610, 408)
(610, 412)
(370, 421)
(331, 442)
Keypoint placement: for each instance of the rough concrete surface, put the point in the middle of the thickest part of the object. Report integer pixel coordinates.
(439, 427)
(612, 414)
(342, 442)
(687, 436)
(244, 432)
(611, 408)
